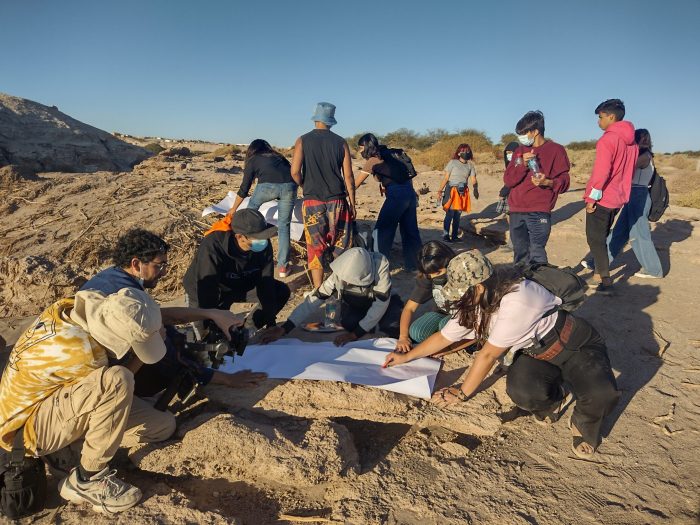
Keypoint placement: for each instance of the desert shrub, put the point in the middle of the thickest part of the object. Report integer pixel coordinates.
(689, 200)
(437, 155)
(229, 149)
(690, 153)
(154, 148)
(678, 161)
(507, 138)
(579, 145)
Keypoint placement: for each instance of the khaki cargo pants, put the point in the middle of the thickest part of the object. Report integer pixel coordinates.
(102, 410)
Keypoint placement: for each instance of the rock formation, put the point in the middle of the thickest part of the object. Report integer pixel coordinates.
(41, 138)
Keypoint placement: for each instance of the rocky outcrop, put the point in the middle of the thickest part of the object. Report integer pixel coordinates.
(41, 138)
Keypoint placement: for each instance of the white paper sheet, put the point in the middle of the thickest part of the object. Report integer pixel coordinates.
(359, 363)
(269, 211)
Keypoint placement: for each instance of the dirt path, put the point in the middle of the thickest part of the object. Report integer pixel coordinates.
(354, 455)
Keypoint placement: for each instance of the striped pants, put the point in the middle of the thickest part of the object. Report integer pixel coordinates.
(426, 325)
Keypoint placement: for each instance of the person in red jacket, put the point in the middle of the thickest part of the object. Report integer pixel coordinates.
(609, 187)
(533, 194)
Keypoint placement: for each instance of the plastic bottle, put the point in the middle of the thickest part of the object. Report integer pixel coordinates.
(331, 311)
(534, 165)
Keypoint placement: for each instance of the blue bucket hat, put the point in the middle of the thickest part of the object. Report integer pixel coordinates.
(325, 112)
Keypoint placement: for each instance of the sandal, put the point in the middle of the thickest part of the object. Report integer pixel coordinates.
(577, 441)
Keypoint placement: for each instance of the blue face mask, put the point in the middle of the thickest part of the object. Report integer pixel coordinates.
(258, 245)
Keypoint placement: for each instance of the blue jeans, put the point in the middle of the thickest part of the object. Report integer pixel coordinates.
(633, 226)
(399, 208)
(529, 233)
(286, 193)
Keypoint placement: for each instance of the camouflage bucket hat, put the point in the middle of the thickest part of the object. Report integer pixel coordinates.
(464, 271)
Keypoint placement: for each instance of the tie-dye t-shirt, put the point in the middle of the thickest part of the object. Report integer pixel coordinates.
(51, 353)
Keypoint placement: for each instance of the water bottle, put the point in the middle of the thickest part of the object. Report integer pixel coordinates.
(534, 165)
(331, 311)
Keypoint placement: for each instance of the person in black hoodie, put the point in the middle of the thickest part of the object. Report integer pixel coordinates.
(228, 264)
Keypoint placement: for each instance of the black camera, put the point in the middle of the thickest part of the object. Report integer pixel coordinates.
(218, 346)
(210, 351)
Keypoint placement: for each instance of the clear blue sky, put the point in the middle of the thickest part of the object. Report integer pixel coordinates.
(234, 71)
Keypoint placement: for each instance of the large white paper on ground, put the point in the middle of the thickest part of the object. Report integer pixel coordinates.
(359, 363)
(268, 209)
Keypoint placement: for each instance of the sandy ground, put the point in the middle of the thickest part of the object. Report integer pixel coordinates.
(355, 455)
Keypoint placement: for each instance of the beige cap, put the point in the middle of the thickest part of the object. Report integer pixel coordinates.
(127, 319)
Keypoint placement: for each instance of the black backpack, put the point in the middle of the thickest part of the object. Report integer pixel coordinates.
(659, 197)
(401, 158)
(22, 481)
(562, 282)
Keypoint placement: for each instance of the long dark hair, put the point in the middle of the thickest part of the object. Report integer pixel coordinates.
(371, 146)
(434, 256)
(477, 315)
(262, 147)
(643, 139)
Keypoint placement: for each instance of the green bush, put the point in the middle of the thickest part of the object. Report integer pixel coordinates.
(581, 145)
(154, 148)
(507, 138)
(229, 149)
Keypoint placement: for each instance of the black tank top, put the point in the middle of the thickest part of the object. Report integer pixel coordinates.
(322, 171)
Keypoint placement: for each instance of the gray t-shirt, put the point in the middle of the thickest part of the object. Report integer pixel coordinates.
(642, 176)
(459, 172)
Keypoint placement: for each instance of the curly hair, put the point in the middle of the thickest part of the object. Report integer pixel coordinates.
(138, 243)
(476, 315)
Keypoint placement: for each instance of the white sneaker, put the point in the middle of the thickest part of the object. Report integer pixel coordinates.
(586, 264)
(107, 493)
(644, 275)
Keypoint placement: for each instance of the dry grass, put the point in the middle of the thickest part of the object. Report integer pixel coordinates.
(224, 151)
(689, 200)
(437, 155)
(679, 161)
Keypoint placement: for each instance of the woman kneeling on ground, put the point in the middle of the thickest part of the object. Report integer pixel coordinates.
(553, 350)
(432, 265)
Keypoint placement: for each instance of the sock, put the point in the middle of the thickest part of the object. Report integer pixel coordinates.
(85, 475)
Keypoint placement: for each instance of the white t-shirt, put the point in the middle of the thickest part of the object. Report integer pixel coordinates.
(518, 319)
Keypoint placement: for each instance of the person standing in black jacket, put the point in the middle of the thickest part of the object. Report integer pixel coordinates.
(228, 264)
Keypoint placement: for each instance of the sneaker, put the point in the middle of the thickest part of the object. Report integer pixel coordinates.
(644, 275)
(104, 491)
(282, 271)
(604, 289)
(587, 265)
(446, 238)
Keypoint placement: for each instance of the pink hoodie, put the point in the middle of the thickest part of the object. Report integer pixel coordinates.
(615, 156)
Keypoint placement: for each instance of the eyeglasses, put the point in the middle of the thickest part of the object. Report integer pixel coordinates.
(160, 266)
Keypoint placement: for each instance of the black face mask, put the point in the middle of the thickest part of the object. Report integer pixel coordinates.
(464, 156)
(440, 280)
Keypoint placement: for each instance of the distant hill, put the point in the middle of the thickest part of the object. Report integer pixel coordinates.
(42, 138)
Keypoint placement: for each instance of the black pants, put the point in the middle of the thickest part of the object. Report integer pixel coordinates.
(535, 385)
(598, 226)
(351, 316)
(265, 316)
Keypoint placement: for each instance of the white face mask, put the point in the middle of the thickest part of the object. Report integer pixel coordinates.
(525, 140)
(509, 156)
